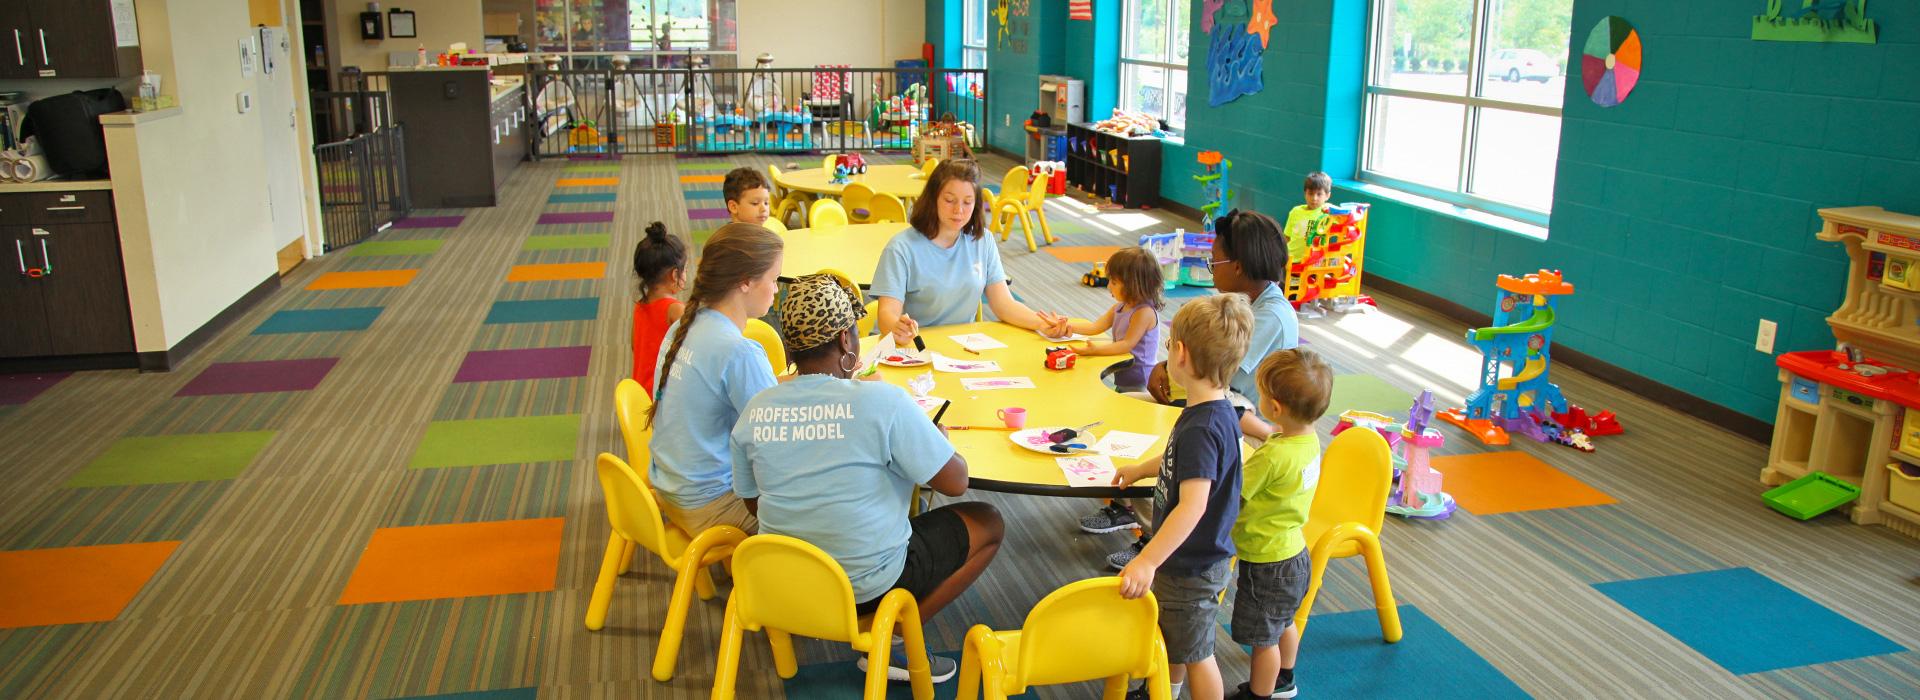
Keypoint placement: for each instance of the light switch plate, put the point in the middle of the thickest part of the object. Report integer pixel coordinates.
(243, 101)
(1764, 341)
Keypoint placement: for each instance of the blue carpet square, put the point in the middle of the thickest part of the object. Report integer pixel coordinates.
(319, 320)
(834, 680)
(704, 194)
(1343, 657)
(1746, 622)
(580, 197)
(510, 694)
(544, 310)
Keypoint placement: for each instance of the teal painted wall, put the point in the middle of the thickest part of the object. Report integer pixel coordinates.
(1683, 216)
(1095, 57)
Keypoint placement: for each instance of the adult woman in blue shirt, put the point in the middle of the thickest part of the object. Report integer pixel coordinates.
(936, 272)
(833, 460)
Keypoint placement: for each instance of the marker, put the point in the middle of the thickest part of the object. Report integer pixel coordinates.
(942, 412)
(971, 350)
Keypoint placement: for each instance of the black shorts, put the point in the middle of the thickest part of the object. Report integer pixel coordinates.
(1268, 596)
(937, 549)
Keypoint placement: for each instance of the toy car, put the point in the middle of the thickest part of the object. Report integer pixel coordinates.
(1097, 277)
(1061, 357)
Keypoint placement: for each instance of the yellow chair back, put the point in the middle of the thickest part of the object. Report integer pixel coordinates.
(1085, 631)
(775, 225)
(826, 163)
(857, 198)
(630, 404)
(773, 178)
(1355, 475)
(769, 340)
(792, 586)
(633, 511)
(928, 166)
(827, 213)
(865, 325)
(1013, 186)
(886, 208)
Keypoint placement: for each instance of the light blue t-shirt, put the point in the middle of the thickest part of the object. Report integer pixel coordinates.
(937, 286)
(716, 372)
(834, 462)
(1275, 327)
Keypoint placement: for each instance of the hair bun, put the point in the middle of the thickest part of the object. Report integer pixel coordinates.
(656, 231)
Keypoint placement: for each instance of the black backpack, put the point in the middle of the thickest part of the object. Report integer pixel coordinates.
(68, 129)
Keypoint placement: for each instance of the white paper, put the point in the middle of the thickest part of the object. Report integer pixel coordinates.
(126, 26)
(1087, 470)
(949, 364)
(921, 385)
(929, 404)
(880, 349)
(991, 383)
(1071, 337)
(977, 342)
(1125, 445)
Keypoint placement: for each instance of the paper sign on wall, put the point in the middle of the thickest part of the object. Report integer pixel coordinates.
(126, 26)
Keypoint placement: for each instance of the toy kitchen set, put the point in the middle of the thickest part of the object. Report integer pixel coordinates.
(1852, 415)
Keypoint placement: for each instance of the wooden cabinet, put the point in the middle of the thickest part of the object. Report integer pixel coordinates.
(63, 39)
(1125, 171)
(64, 292)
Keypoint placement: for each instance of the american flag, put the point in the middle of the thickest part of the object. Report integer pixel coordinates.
(1080, 9)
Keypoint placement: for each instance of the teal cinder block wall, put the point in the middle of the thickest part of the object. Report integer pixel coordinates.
(1683, 216)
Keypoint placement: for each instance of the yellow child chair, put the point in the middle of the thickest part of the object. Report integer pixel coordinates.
(637, 520)
(1015, 200)
(857, 199)
(1082, 631)
(787, 587)
(785, 201)
(769, 340)
(865, 325)
(886, 208)
(1349, 506)
(826, 213)
(928, 166)
(776, 226)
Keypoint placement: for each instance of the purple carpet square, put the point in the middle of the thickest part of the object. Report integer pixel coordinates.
(706, 213)
(576, 217)
(21, 388)
(259, 377)
(429, 222)
(537, 363)
(589, 156)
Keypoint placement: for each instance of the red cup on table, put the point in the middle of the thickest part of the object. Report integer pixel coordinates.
(1015, 418)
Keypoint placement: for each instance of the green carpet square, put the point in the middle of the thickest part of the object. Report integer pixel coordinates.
(165, 459)
(569, 240)
(423, 246)
(1367, 393)
(472, 443)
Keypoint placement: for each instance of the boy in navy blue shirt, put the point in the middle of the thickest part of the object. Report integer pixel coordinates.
(1197, 496)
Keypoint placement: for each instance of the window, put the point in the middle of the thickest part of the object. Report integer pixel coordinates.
(973, 44)
(1463, 101)
(1153, 59)
(649, 26)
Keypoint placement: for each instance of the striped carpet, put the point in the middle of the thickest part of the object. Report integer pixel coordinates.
(248, 602)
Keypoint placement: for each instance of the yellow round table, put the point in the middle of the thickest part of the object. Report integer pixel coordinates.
(854, 250)
(903, 181)
(1066, 398)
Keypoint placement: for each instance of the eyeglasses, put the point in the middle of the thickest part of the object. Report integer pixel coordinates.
(1214, 263)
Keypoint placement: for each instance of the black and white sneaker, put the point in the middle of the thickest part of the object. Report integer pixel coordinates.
(1112, 518)
(1119, 560)
(1280, 691)
(942, 668)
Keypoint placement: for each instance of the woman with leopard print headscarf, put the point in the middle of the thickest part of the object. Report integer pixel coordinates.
(833, 460)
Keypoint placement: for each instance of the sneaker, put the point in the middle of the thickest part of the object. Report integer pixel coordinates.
(1139, 692)
(1112, 518)
(1119, 560)
(1282, 691)
(942, 668)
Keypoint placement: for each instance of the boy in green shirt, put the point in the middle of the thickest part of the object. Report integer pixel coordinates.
(1303, 219)
(1275, 494)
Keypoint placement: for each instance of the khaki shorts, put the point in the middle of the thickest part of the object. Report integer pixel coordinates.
(725, 510)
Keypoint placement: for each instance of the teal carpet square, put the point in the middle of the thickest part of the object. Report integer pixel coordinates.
(544, 310)
(319, 320)
(1344, 657)
(580, 197)
(704, 194)
(1746, 622)
(834, 680)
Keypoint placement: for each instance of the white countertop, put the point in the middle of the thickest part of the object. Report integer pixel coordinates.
(55, 186)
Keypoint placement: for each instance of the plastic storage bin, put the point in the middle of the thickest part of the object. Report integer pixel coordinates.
(1810, 495)
(1903, 486)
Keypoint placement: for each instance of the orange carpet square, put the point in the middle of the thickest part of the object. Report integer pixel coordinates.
(363, 280)
(557, 271)
(588, 182)
(69, 585)
(457, 561)
(1081, 253)
(1512, 481)
(690, 179)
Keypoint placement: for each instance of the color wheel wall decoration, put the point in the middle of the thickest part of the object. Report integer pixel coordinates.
(1610, 63)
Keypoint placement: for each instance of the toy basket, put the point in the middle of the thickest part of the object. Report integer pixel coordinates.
(1810, 495)
(1903, 486)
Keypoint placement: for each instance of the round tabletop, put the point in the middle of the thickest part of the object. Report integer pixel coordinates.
(1066, 398)
(903, 181)
(854, 250)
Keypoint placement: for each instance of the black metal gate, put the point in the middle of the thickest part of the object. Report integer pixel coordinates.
(363, 185)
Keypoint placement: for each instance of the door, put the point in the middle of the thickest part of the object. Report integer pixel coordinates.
(72, 38)
(280, 142)
(85, 289)
(23, 317)
(16, 36)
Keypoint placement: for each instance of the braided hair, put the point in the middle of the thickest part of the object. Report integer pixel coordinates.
(736, 254)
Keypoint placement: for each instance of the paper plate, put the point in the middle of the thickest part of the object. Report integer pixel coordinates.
(1036, 439)
(901, 359)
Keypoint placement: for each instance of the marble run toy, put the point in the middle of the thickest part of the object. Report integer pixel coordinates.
(1516, 358)
(1327, 275)
(1213, 185)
